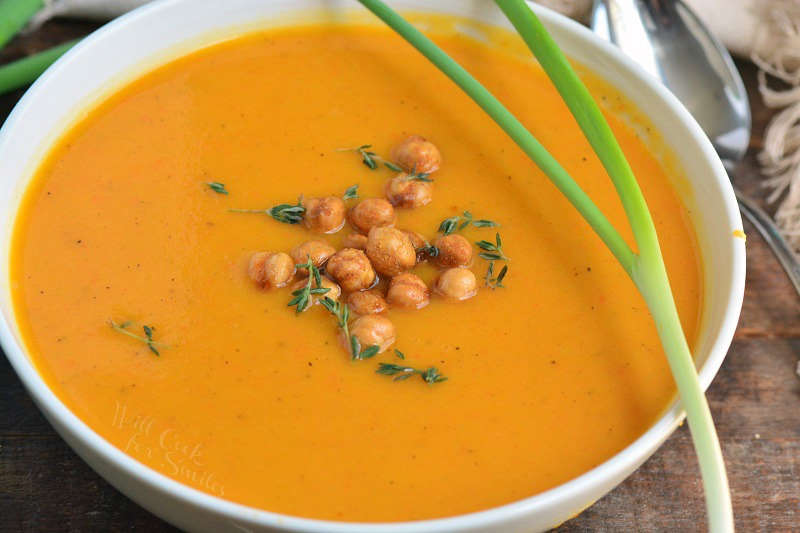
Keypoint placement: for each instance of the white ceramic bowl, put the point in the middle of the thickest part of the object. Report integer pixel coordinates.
(166, 29)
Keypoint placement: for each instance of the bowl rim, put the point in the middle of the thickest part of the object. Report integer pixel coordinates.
(627, 458)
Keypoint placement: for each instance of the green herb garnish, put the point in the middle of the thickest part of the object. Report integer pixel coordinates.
(492, 282)
(430, 250)
(449, 225)
(459, 222)
(367, 157)
(146, 339)
(286, 213)
(492, 251)
(370, 158)
(351, 193)
(399, 354)
(217, 187)
(430, 375)
(342, 314)
(303, 296)
(418, 176)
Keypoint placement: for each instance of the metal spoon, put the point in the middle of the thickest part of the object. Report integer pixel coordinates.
(668, 40)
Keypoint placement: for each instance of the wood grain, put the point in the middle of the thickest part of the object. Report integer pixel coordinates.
(755, 400)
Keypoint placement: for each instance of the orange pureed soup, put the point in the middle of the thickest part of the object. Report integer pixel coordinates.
(547, 377)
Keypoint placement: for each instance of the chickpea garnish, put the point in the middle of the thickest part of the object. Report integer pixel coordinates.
(352, 269)
(408, 291)
(318, 251)
(454, 251)
(405, 190)
(270, 269)
(416, 154)
(390, 251)
(367, 303)
(457, 283)
(372, 330)
(371, 213)
(324, 215)
(355, 240)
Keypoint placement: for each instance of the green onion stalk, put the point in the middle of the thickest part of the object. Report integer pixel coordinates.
(645, 268)
(14, 14)
(24, 71)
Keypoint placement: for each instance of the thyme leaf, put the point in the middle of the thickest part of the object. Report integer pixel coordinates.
(492, 282)
(492, 251)
(217, 187)
(430, 250)
(351, 193)
(286, 213)
(460, 222)
(483, 223)
(418, 176)
(147, 338)
(370, 158)
(430, 375)
(367, 157)
(449, 225)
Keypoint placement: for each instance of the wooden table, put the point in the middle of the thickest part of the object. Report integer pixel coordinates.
(755, 400)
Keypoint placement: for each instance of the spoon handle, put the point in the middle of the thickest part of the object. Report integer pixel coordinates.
(763, 223)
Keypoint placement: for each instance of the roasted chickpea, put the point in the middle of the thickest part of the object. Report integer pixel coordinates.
(408, 291)
(352, 269)
(324, 215)
(367, 303)
(416, 154)
(454, 251)
(270, 269)
(457, 283)
(371, 213)
(318, 251)
(355, 240)
(390, 251)
(402, 191)
(372, 330)
(334, 293)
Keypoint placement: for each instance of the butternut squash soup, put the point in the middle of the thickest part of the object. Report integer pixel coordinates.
(300, 270)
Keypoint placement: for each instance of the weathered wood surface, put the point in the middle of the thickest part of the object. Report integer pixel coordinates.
(755, 400)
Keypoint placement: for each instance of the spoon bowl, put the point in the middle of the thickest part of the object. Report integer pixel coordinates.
(672, 44)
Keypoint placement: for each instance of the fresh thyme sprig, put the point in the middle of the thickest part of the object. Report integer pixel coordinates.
(217, 187)
(147, 338)
(351, 193)
(430, 375)
(303, 296)
(418, 176)
(430, 250)
(492, 251)
(399, 354)
(370, 158)
(342, 314)
(459, 222)
(286, 213)
(492, 282)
